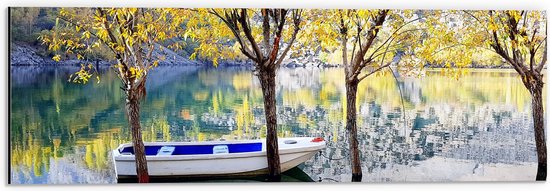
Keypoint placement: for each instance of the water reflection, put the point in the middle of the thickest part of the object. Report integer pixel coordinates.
(466, 129)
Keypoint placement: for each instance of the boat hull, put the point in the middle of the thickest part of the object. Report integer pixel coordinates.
(250, 163)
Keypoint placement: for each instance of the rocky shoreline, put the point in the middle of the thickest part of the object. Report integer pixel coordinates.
(28, 55)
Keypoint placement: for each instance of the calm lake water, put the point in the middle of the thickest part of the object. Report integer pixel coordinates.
(476, 128)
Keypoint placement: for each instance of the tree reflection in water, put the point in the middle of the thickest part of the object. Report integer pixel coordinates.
(462, 129)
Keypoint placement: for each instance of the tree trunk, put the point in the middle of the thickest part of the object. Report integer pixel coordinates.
(132, 111)
(267, 81)
(538, 120)
(351, 127)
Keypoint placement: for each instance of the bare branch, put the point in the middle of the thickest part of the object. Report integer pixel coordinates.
(373, 32)
(231, 21)
(544, 55)
(381, 61)
(276, 41)
(266, 29)
(395, 32)
(374, 71)
(296, 19)
(479, 21)
(243, 20)
(372, 56)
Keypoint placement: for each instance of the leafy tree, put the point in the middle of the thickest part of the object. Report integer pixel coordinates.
(131, 35)
(518, 37)
(264, 36)
(374, 38)
(23, 20)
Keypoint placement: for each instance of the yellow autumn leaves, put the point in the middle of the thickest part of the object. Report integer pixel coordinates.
(447, 38)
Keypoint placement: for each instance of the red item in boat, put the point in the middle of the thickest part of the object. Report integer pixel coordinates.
(317, 139)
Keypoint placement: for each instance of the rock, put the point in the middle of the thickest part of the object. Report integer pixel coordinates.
(169, 57)
(26, 55)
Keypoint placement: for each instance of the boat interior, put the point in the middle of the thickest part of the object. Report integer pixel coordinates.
(166, 150)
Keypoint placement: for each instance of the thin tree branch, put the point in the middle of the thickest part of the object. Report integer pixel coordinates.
(374, 71)
(391, 38)
(373, 32)
(297, 19)
(544, 55)
(266, 29)
(117, 55)
(243, 20)
(230, 20)
(478, 20)
(395, 32)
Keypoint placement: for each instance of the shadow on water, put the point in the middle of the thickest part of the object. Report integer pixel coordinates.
(293, 175)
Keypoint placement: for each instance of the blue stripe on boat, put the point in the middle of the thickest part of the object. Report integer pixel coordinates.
(199, 149)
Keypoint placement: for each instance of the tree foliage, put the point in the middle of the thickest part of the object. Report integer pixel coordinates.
(517, 37)
(367, 39)
(264, 36)
(227, 34)
(23, 21)
(131, 35)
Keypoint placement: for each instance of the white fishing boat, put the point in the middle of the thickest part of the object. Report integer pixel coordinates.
(214, 158)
